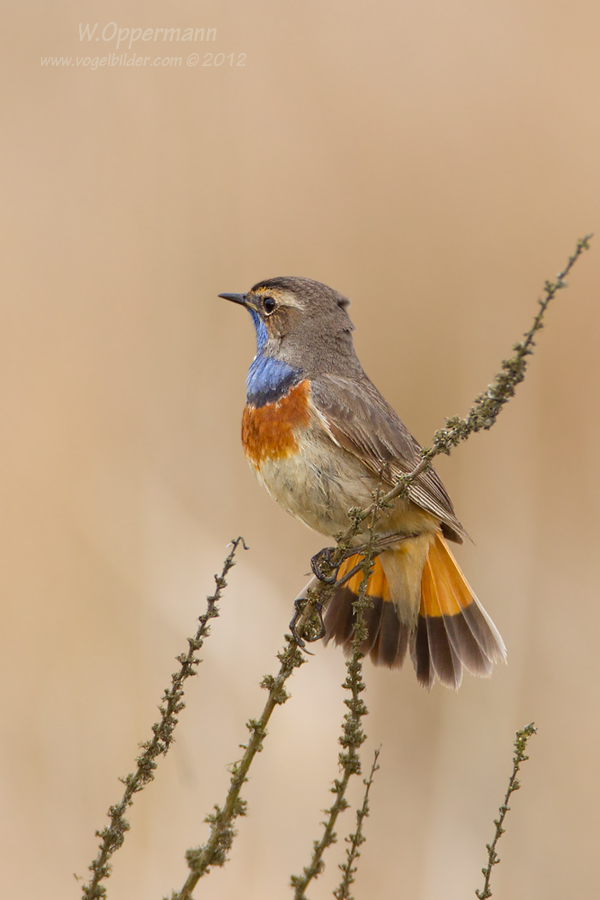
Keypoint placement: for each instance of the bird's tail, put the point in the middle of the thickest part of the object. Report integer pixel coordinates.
(437, 618)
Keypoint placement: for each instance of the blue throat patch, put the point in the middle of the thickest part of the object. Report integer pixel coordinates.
(268, 379)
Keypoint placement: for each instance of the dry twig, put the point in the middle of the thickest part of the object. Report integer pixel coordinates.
(513, 785)
(172, 704)
(356, 839)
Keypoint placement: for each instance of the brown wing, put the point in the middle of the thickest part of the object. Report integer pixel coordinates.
(362, 422)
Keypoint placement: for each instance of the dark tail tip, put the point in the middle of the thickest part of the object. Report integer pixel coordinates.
(445, 645)
(387, 639)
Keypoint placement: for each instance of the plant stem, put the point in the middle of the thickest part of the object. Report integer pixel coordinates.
(513, 785)
(355, 840)
(113, 835)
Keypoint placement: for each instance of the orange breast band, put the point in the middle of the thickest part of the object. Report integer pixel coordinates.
(268, 431)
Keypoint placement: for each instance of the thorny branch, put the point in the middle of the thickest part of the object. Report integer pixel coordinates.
(353, 735)
(513, 785)
(356, 839)
(113, 835)
(222, 832)
(489, 404)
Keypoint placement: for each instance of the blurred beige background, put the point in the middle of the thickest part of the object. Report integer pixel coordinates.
(436, 162)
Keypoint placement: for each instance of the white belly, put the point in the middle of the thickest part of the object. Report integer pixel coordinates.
(321, 483)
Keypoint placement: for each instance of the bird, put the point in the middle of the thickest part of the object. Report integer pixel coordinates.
(321, 439)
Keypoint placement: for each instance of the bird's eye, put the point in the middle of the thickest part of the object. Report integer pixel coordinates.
(268, 305)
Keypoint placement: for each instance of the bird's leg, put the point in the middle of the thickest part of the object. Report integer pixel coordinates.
(299, 604)
(317, 609)
(324, 557)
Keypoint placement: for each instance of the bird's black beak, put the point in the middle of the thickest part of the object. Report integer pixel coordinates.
(235, 298)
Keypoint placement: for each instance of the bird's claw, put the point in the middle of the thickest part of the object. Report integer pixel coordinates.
(317, 609)
(324, 556)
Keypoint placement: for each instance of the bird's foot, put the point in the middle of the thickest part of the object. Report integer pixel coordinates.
(313, 628)
(323, 557)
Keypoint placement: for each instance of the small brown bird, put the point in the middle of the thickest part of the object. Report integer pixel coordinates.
(321, 439)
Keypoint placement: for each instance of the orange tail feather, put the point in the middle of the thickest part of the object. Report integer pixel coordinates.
(452, 631)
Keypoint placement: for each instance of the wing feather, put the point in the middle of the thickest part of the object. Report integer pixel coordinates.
(358, 419)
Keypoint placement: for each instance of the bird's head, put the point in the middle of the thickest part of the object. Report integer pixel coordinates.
(298, 320)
